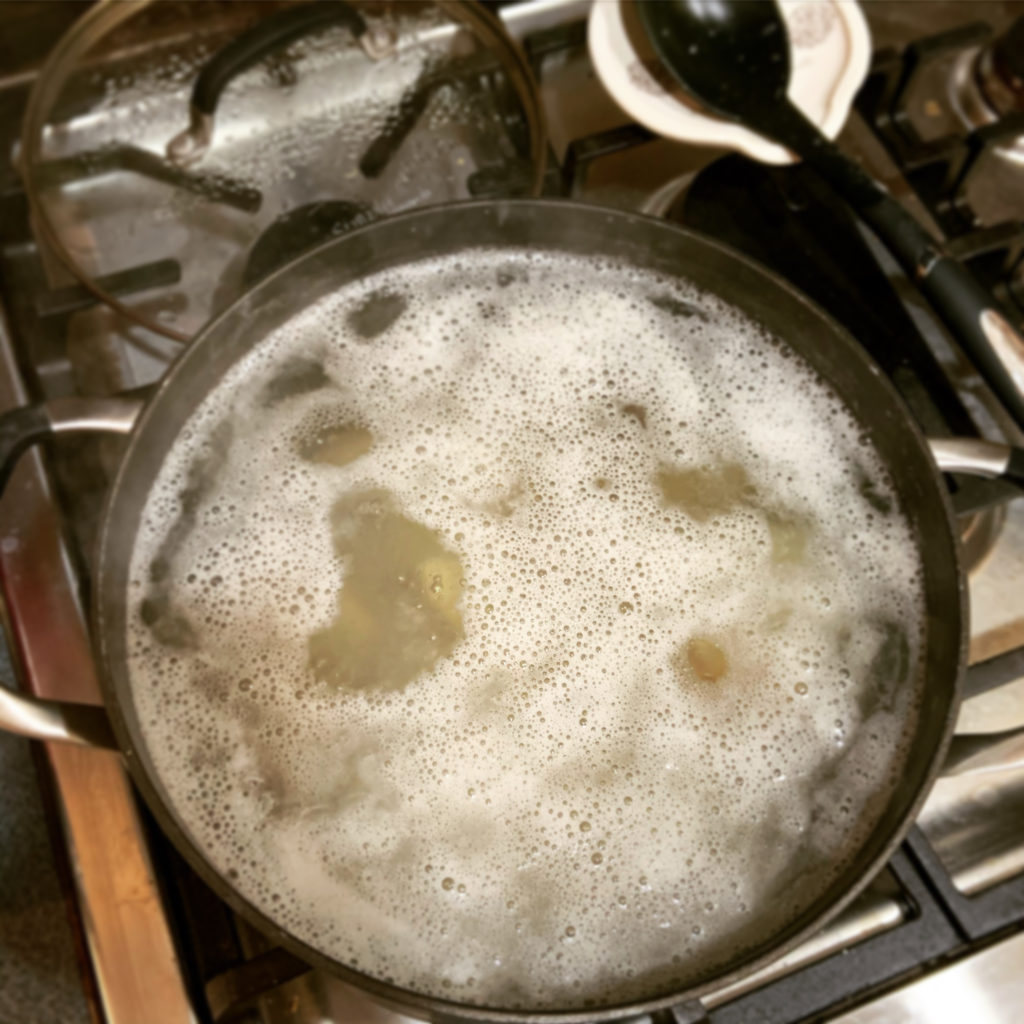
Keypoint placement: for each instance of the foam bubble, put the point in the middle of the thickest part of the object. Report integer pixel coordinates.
(535, 646)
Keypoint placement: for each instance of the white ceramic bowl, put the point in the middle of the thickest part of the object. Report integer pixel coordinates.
(830, 53)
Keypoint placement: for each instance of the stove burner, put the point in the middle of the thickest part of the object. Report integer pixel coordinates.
(298, 230)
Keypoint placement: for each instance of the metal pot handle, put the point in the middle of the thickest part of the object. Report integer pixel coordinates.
(975, 753)
(21, 713)
(976, 457)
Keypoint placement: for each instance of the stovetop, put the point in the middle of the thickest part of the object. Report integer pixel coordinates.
(160, 947)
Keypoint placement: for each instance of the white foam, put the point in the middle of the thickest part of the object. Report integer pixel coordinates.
(553, 815)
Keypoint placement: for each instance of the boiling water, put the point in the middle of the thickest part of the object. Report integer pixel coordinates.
(522, 643)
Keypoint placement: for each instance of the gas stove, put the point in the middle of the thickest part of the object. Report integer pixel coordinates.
(940, 120)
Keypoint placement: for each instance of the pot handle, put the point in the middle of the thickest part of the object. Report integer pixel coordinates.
(270, 34)
(972, 753)
(22, 713)
(975, 457)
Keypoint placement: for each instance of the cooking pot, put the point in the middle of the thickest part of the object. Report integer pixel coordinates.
(155, 422)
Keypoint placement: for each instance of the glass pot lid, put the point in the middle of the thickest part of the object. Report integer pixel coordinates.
(181, 150)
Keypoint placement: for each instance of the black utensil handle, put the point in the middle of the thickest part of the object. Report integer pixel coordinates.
(967, 309)
(270, 34)
(22, 713)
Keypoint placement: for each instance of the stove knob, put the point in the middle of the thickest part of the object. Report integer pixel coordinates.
(1000, 70)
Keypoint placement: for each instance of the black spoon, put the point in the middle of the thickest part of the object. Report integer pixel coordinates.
(733, 57)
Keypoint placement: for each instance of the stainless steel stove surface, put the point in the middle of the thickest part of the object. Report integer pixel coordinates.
(941, 930)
